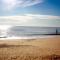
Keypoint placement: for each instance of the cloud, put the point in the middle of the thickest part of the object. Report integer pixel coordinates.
(8, 4)
(43, 16)
(11, 4)
(31, 20)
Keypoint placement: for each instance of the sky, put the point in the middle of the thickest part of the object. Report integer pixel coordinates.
(30, 12)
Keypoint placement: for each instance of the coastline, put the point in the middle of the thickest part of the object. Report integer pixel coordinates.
(29, 37)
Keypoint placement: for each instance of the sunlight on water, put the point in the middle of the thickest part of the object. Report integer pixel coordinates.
(3, 30)
(4, 27)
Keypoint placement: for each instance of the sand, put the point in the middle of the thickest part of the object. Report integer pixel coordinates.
(30, 49)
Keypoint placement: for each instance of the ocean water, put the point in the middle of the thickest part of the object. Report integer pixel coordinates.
(26, 32)
(33, 31)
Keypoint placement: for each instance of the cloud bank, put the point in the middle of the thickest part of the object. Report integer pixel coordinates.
(11, 4)
(31, 20)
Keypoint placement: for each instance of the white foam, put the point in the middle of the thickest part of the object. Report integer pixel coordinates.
(29, 37)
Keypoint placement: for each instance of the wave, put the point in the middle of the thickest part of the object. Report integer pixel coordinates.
(28, 37)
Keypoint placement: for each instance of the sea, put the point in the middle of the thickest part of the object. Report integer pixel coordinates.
(29, 32)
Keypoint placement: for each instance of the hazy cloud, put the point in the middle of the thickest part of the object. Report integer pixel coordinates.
(11, 4)
(31, 20)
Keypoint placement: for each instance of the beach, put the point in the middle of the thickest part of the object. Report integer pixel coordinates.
(30, 49)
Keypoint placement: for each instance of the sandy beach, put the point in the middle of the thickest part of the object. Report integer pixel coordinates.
(30, 49)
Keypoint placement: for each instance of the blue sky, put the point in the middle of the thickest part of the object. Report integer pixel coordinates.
(47, 11)
(46, 7)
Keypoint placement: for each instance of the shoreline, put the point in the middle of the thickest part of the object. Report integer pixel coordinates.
(30, 37)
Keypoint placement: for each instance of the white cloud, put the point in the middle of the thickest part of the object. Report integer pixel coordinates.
(31, 20)
(43, 16)
(11, 4)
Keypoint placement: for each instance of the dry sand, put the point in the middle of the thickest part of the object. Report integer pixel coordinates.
(32, 49)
